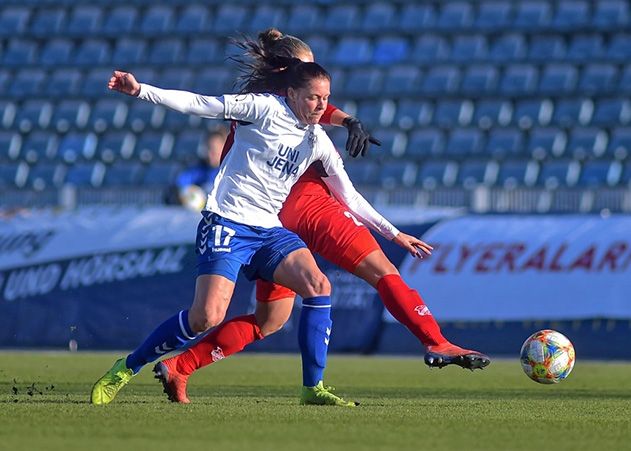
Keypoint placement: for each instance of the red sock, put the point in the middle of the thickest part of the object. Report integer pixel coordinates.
(407, 306)
(226, 339)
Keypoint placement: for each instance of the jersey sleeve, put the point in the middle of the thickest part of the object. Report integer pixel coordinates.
(184, 101)
(249, 107)
(344, 191)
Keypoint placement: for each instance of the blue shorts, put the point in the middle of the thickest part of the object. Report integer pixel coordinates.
(224, 246)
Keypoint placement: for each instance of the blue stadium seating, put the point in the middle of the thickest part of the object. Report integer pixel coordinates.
(86, 174)
(479, 80)
(611, 111)
(193, 19)
(123, 174)
(508, 48)
(85, 21)
(437, 173)
(548, 141)
(441, 80)
(411, 113)
(597, 173)
(475, 172)
(464, 142)
(610, 14)
(34, 113)
(379, 17)
(587, 141)
(144, 114)
(598, 79)
(619, 143)
(40, 145)
(129, 51)
(120, 21)
(93, 52)
(64, 83)
(77, 146)
(10, 145)
(229, 18)
(390, 50)
(266, 16)
(153, 144)
(455, 16)
(116, 145)
(157, 20)
(303, 18)
(426, 143)
(396, 173)
(570, 15)
(56, 52)
(352, 51)
(341, 18)
(108, 113)
(429, 49)
(468, 48)
(532, 16)
(161, 174)
(452, 113)
(13, 21)
(505, 142)
(48, 22)
(532, 112)
(519, 80)
(585, 48)
(515, 173)
(491, 112)
(401, 81)
(558, 79)
(20, 53)
(46, 175)
(13, 175)
(558, 173)
(416, 18)
(572, 111)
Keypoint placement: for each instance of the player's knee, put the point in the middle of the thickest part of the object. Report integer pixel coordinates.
(319, 285)
(203, 320)
(271, 327)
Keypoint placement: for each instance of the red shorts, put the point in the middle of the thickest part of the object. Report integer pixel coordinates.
(328, 229)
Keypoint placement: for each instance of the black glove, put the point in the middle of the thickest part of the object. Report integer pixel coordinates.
(358, 138)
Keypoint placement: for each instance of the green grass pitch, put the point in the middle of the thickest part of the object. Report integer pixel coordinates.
(250, 402)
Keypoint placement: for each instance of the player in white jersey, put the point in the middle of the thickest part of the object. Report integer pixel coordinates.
(240, 227)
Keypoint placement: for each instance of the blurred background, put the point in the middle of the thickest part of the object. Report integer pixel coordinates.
(506, 135)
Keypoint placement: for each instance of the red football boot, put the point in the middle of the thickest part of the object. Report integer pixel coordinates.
(174, 383)
(448, 354)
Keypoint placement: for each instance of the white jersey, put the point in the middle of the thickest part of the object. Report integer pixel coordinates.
(268, 156)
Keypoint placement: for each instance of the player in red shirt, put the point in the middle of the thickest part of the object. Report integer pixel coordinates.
(329, 230)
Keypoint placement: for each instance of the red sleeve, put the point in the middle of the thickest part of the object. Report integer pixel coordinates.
(229, 140)
(326, 117)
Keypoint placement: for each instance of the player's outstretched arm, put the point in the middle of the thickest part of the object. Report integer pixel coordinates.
(124, 82)
(359, 139)
(413, 245)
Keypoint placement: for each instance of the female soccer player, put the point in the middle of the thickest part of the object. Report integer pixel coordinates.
(240, 226)
(329, 229)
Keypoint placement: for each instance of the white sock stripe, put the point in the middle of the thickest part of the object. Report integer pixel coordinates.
(184, 332)
(316, 306)
(181, 340)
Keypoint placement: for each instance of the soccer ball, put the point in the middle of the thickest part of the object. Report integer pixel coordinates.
(547, 357)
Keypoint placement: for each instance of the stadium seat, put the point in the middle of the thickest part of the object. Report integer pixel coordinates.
(34, 114)
(401, 81)
(229, 18)
(619, 143)
(455, 16)
(20, 53)
(571, 15)
(144, 114)
(95, 83)
(40, 145)
(585, 48)
(453, 113)
(468, 48)
(363, 173)
(379, 17)
(430, 49)
(7, 113)
(152, 145)
(193, 19)
(598, 173)
(129, 51)
(611, 112)
(123, 174)
(508, 48)
(14, 20)
(529, 113)
(546, 49)
(77, 146)
(303, 18)
(395, 173)
(341, 18)
(587, 142)
(435, 174)
(490, 112)
(417, 17)
(175, 121)
(266, 16)
(161, 174)
(214, 81)
(13, 175)
(532, 16)
(64, 83)
(610, 14)
(376, 113)
(203, 51)
(558, 79)
(56, 52)
(546, 141)
(70, 114)
(519, 80)
(352, 51)
(27, 83)
(108, 113)
(412, 113)
(493, 16)
(464, 142)
(472, 173)
(364, 82)
(426, 143)
(120, 21)
(48, 22)
(479, 79)
(93, 52)
(10, 145)
(157, 20)
(176, 78)
(517, 173)
(86, 174)
(557, 173)
(505, 142)
(391, 50)
(619, 48)
(598, 79)
(46, 175)
(116, 145)
(625, 177)
(189, 146)
(85, 21)
(572, 111)
(441, 80)
(5, 76)
(393, 142)
(167, 52)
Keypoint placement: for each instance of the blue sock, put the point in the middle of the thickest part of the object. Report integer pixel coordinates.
(314, 331)
(172, 334)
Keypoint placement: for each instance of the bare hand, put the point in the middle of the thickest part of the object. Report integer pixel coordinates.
(413, 245)
(124, 82)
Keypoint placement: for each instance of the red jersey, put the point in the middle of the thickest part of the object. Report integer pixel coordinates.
(309, 183)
